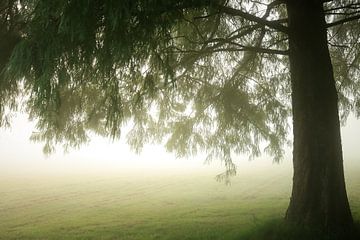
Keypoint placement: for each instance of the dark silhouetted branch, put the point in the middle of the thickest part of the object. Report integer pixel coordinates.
(349, 6)
(235, 49)
(236, 12)
(342, 21)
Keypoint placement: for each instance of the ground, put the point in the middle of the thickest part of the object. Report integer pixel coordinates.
(145, 205)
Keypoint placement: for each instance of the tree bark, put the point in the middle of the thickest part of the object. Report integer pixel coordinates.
(319, 195)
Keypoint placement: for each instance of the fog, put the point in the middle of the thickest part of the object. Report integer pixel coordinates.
(19, 156)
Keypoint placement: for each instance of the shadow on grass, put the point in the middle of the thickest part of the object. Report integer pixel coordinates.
(279, 230)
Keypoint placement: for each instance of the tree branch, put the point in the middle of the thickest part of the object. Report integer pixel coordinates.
(349, 6)
(235, 49)
(236, 12)
(342, 21)
(270, 6)
(343, 13)
(264, 50)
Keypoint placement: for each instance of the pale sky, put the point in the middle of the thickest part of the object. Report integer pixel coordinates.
(19, 155)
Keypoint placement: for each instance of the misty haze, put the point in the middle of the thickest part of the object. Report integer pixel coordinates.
(104, 189)
(164, 119)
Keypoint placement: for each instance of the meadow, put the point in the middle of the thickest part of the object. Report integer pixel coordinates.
(145, 205)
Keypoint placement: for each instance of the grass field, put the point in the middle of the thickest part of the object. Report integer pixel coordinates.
(124, 205)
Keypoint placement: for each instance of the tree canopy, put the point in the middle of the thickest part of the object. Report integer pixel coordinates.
(205, 75)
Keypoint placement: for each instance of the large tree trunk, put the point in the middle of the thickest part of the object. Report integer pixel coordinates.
(319, 195)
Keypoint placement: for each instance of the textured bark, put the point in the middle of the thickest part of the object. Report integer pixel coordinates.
(319, 196)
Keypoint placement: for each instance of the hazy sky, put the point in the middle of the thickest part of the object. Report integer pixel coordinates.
(19, 155)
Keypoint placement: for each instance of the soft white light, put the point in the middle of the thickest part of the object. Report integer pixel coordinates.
(101, 155)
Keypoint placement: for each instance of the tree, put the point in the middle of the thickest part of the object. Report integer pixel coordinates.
(214, 75)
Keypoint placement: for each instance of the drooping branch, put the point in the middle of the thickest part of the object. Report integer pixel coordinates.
(349, 6)
(219, 45)
(256, 49)
(342, 21)
(239, 48)
(236, 12)
(343, 13)
(270, 6)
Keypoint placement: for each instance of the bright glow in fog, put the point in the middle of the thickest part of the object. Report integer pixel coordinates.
(18, 155)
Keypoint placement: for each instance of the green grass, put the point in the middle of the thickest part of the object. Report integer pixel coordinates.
(146, 206)
(278, 229)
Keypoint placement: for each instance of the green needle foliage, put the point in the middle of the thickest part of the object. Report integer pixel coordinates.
(198, 75)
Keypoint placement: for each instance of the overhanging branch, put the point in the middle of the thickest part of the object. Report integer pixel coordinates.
(349, 6)
(236, 12)
(264, 50)
(235, 49)
(342, 21)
